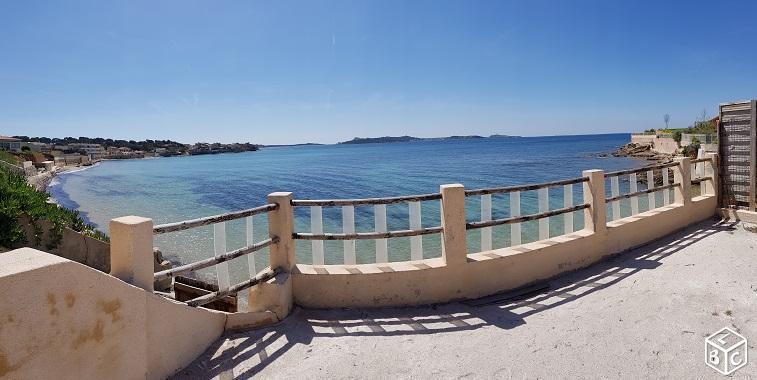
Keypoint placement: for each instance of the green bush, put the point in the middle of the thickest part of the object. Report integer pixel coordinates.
(19, 199)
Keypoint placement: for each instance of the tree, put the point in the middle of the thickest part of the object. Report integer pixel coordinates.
(667, 120)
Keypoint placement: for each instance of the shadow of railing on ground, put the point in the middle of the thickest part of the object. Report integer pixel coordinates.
(234, 355)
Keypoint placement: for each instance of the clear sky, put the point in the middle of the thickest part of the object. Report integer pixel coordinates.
(309, 71)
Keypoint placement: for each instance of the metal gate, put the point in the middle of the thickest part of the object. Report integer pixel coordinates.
(737, 134)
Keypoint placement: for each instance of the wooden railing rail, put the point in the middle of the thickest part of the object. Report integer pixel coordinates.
(365, 201)
(641, 169)
(192, 223)
(525, 218)
(533, 186)
(263, 276)
(173, 272)
(367, 235)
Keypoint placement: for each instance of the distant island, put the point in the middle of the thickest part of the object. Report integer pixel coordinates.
(393, 139)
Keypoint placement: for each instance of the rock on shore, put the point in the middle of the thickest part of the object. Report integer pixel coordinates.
(641, 151)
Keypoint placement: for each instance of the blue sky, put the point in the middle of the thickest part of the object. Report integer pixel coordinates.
(290, 72)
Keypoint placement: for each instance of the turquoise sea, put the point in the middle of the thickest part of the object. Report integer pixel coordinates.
(179, 188)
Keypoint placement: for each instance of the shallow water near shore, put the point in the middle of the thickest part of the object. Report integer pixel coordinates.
(180, 188)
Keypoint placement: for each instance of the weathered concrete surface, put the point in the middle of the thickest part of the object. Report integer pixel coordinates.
(643, 314)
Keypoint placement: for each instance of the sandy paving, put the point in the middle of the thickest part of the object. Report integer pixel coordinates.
(643, 314)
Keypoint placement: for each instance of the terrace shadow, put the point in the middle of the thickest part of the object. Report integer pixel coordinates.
(244, 354)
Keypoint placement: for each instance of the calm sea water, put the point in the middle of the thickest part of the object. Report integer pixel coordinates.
(179, 188)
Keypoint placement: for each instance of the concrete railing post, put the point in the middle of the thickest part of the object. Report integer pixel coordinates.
(276, 295)
(131, 253)
(682, 176)
(711, 170)
(454, 246)
(281, 224)
(595, 217)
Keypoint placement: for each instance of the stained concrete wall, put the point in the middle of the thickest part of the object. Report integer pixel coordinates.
(659, 144)
(73, 245)
(485, 273)
(60, 318)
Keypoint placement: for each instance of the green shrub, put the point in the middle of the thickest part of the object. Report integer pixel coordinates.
(19, 199)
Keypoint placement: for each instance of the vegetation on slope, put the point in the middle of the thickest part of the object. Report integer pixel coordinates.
(19, 199)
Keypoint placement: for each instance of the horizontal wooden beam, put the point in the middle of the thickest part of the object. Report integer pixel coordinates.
(264, 275)
(187, 224)
(535, 186)
(524, 218)
(367, 235)
(366, 201)
(168, 273)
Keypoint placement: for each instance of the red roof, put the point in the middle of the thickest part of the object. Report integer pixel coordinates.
(8, 138)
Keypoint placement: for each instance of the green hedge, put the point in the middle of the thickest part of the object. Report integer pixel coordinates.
(19, 199)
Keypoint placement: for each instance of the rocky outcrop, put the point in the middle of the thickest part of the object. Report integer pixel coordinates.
(644, 151)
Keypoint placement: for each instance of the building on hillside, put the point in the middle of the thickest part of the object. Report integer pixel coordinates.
(37, 146)
(95, 151)
(10, 143)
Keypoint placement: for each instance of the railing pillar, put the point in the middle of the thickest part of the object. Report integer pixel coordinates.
(454, 246)
(281, 224)
(275, 295)
(131, 251)
(682, 176)
(595, 217)
(711, 170)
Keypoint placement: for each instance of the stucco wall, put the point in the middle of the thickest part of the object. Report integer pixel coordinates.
(62, 319)
(659, 144)
(73, 245)
(485, 273)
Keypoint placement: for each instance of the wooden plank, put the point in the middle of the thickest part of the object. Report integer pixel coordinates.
(568, 202)
(666, 181)
(250, 240)
(316, 227)
(209, 262)
(348, 227)
(178, 226)
(614, 192)
(382, 247)
(535, 186)
(525, 218)
(634, 188)
(416, 242)
(543, 208)
(219, 247)
(650, 185)
(486, 215)
(515, 230)
(753, 166)
(368, 235)
(366, 201)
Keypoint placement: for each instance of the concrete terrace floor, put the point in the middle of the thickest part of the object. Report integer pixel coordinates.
(642, 314)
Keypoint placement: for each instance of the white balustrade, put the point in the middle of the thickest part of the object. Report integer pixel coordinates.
(614, 192)
(250, 240)
(416, 242)
(634, 188)
(219, 248)
(568, 202)
(382, 249)
(515, 230)
(650, 184)
(543, 207)
(486, 215)
(316, 227)
(666, 192)
(348, 227)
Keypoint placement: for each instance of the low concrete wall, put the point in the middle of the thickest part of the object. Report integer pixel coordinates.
(664, 145)
(485, 273)
(62, 319)
(73, 245)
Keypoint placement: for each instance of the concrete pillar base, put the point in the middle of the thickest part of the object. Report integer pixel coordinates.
(274, 295)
